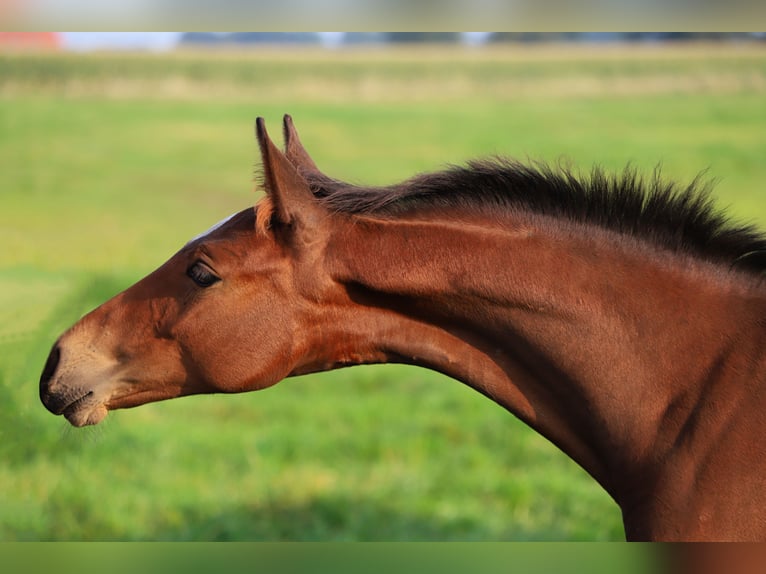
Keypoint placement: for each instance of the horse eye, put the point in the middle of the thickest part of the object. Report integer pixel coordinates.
(201, 274)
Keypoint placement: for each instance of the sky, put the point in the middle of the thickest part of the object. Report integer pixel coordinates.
(84, 41)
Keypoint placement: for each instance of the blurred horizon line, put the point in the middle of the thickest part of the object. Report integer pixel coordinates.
(167, 41)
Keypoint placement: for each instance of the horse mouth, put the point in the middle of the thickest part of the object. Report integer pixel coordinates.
(84, 411)
(75, 404)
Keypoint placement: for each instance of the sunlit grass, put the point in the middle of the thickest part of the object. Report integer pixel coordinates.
(100, 183)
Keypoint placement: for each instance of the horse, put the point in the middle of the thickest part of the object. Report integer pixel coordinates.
(623, 317)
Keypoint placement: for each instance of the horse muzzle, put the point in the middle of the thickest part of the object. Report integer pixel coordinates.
(63, 393)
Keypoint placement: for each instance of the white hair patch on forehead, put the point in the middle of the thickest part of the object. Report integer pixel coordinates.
(209, 231)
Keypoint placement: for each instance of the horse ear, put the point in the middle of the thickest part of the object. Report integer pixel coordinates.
(294, 149)
(289, 193)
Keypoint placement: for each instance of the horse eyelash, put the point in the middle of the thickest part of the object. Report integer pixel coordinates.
(193, 272)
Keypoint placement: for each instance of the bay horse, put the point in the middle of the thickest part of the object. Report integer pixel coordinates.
(622, 317)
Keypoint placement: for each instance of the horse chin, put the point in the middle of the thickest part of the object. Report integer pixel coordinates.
(85, 414)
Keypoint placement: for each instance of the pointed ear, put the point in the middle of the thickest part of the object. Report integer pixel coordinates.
(294, 150)
(290, 194)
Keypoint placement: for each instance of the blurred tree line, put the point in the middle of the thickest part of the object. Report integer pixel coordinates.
(460, 37)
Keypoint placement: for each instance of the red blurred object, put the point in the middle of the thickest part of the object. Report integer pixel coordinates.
(30, 40)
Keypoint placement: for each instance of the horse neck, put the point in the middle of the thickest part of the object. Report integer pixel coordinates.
(580, 334)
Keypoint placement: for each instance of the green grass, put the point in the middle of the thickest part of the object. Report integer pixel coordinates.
(108, 164)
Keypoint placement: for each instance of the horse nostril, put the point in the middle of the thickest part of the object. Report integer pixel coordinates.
(50, 369)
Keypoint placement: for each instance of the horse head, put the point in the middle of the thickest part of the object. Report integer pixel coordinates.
(231, 311)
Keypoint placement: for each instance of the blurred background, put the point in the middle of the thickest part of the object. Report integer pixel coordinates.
(116, 148)
(164, 41)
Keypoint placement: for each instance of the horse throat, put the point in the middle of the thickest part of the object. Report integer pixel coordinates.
(494, 307)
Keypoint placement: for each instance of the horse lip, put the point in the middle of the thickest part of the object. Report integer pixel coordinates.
(70, 408)
(55, 403)
(85, 411)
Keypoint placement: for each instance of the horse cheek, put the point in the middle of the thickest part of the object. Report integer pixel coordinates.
(245, 352)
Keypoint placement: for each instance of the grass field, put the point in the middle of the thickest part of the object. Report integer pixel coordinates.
(109, 163)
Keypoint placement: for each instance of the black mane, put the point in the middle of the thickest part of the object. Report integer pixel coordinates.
(680, 218)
